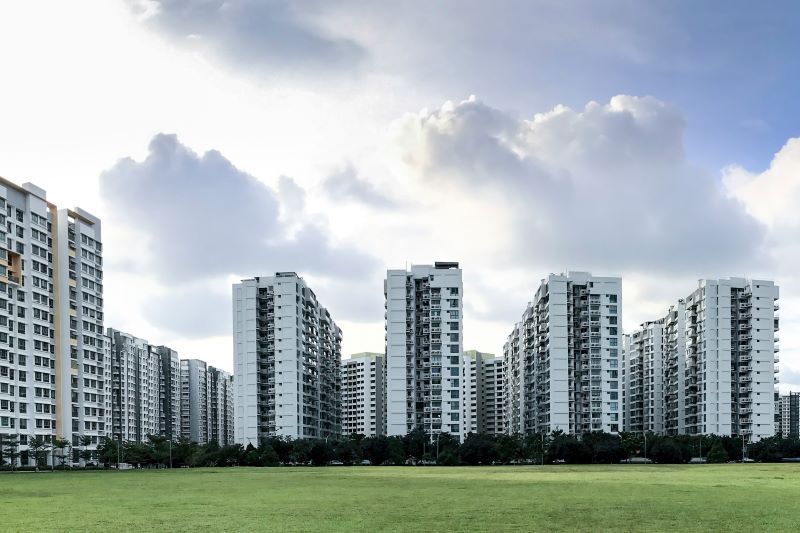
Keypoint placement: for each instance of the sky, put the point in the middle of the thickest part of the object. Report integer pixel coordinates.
(220, 140)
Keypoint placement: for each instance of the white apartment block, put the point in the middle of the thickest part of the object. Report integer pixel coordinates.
(787, 415)
(513, 399)
(287, 356)
(144, 387)
(716, 370)
(169, 393)
(135, 388)
(220, 424)
(424, 351)
(195, 400)
(566, 354)
(471, 390)
(492, 400)
(643, 379)
(53, 376)
(482, 393)
(363, 394)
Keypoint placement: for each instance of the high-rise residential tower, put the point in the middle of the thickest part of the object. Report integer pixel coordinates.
(195, 400)
(492, 400)
(716, 371)
(424, 350)
(220, 413)
(363, 394)
(53, 376)
(566, 352)
(483, 393)
(169, 393)
(787, 415)
(135, 388)
(643, 379)
(287, 354)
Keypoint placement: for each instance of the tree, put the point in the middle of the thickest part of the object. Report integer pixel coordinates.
(301, 451)
(38, 448)
(509, 448)
(606, 448)
(84, 441)
(108, 451)
(61, 444)
(717, 454)
(9, 450)
(320, 453)
(478, 449)
(668, 451)
(416, 444)
(569, 449)
(267, 456)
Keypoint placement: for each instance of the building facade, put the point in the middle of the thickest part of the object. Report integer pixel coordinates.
(169, 385)
(287, 357)
(135, 397)
(707, 367)
(53, 376)
(787, 415)
(195, 400)
(483, 393)
(363, 394)
(220, 425)
(492, 401)
(643, 379)
(565, 357)
(424, 350)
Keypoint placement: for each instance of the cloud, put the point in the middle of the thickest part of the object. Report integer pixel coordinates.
(268, 36)
(773, 195)
(201, 220)
(203, 217)
(348, 186)
(198, 310)
(607, 186)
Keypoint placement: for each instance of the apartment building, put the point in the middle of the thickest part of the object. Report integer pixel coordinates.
(287, 357)
(169, 391)
(565, 352)
(144, 388)
(363, 394)
(513, 400)
(424, 351)
(482, 393)
(220, 424)
(135, 398)
(643, 379)
(492, 399)
(195, 400)
(53, 376)
(708, 366)
(787, 415)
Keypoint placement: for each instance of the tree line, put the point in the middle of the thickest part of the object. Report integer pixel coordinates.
(415, 448)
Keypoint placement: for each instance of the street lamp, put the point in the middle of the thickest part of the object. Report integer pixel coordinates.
(645, 445)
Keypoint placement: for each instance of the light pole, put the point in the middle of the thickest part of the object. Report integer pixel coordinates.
(170, 452)
(744, 450)
(542, 449)
(645, 445)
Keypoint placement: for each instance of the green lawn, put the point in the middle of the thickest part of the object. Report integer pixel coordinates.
(732, 497)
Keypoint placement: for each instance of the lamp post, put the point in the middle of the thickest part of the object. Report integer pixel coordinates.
(542, 449)
(645, 445)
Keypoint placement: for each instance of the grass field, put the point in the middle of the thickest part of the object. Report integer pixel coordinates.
(731, 497)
